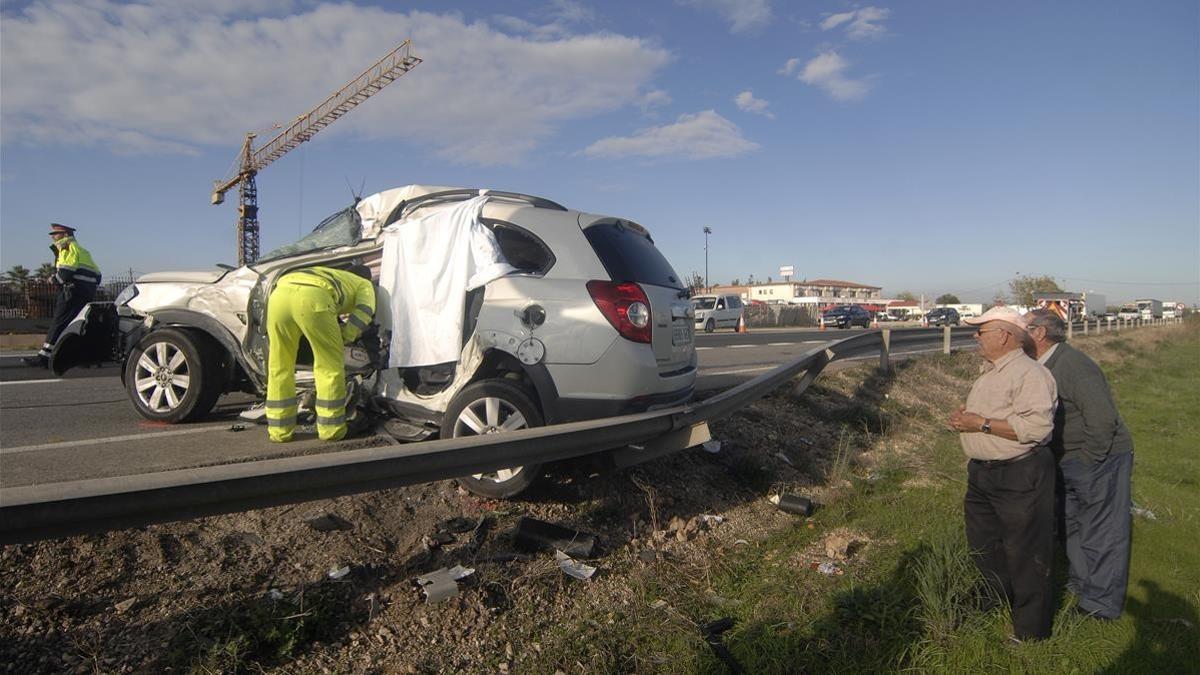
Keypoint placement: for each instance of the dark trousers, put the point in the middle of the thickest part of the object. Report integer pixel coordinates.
(1096, 503)
(71, 299)
(1009, 510)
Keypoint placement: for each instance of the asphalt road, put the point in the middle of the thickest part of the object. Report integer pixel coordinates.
(82, 425)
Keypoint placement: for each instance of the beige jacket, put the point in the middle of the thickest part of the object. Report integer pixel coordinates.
(1016, 389)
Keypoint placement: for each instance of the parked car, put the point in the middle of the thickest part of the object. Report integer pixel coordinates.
(614, 328)
(1129, 314)
(717, 311)
(884, 317)
(847, 316)
(943, 316)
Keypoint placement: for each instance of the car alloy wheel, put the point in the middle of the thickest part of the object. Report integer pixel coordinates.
(493, 407)
(162, 377)
(174, 375)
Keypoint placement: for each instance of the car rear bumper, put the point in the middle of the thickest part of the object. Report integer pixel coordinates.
(577, 409)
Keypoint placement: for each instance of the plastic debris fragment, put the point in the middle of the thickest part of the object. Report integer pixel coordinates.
(829, 569)
(792, 504)
(711, 447)
(438, 585)
(533, 534)
(336, 573)
(572, 567)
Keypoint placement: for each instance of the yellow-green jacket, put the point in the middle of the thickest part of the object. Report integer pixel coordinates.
(353, 294)
(73, 264)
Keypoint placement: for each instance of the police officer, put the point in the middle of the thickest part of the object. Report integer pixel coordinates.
(308, 302)
(77, 276)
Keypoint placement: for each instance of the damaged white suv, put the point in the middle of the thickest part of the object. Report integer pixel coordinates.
(593, 322)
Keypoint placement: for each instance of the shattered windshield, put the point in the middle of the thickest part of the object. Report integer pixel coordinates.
(343, 228)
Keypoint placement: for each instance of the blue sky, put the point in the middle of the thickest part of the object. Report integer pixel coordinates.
(923, 146)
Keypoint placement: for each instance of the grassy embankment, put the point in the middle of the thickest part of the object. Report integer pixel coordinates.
(908, 599)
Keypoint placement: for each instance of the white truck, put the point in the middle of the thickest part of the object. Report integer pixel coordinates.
(1094, 305)
(1150, 309)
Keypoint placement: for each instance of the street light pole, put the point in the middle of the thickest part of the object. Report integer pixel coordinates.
(707, 231)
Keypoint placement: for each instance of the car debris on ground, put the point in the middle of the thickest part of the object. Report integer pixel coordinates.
(573, 568)
(789, 503)
(442, 583)
(532, 534)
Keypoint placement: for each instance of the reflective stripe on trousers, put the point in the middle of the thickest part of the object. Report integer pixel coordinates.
(309, 311)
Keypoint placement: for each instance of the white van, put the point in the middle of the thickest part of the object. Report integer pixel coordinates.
(717, 311)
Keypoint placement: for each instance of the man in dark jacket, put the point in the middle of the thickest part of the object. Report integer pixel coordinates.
(1095, 454)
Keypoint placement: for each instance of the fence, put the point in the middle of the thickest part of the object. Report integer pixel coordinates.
(767, 316)
(34, 298)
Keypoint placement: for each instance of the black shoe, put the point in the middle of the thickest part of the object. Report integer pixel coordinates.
(36, 361)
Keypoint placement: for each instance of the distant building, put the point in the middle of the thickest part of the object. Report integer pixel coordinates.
(818, 291)
(905, 309)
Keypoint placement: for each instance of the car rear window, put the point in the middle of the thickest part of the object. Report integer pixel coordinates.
(628, 254)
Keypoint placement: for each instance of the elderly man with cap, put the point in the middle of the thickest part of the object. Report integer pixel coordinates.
(77, 276)
(1004, 428)
(1095, 452)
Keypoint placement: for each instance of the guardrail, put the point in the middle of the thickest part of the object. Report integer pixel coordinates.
(36, 512)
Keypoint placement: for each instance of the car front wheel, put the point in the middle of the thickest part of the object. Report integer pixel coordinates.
(493, 407)
(173, 376)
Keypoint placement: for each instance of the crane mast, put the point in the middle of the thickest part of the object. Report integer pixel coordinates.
(395, 64)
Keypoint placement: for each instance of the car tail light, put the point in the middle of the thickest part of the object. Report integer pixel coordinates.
(626, 307)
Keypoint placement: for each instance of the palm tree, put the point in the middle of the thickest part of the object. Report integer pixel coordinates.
(45, 272)
(17, 275)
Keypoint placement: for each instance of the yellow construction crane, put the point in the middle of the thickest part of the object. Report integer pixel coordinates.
(397, 62)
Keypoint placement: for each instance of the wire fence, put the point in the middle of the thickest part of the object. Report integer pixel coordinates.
(34, 298)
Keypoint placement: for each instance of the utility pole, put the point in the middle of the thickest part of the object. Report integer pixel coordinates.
(707, 231)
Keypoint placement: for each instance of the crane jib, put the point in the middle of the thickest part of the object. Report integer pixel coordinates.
(383, 72)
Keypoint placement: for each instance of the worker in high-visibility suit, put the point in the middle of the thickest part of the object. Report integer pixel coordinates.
(308, 302)
(77, 276)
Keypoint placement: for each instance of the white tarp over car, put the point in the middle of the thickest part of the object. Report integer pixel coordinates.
(374, 209)
(429, 263)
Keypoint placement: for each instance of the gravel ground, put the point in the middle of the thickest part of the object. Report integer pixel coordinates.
(254, 592)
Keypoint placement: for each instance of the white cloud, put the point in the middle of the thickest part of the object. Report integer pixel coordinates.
(747, 102)
(563, 16)
(860, 23)
(827, 71)
(743, 15)
(655, 99)
(704, 135)
(173, 77)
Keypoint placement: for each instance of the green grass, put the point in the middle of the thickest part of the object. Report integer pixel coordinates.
(912, 602)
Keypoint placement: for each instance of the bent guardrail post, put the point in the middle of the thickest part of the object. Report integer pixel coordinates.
(884, 350)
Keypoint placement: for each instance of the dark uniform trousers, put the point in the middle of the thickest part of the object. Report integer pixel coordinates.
(71, 299)
(1009, 512)
(1098, 523)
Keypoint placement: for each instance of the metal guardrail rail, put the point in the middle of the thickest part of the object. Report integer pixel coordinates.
(36, 512)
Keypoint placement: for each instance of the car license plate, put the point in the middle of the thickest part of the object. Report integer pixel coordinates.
(681, 335)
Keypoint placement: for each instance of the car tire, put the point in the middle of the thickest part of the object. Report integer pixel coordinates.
(489, 407)
(173, 375)
(710, 326)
